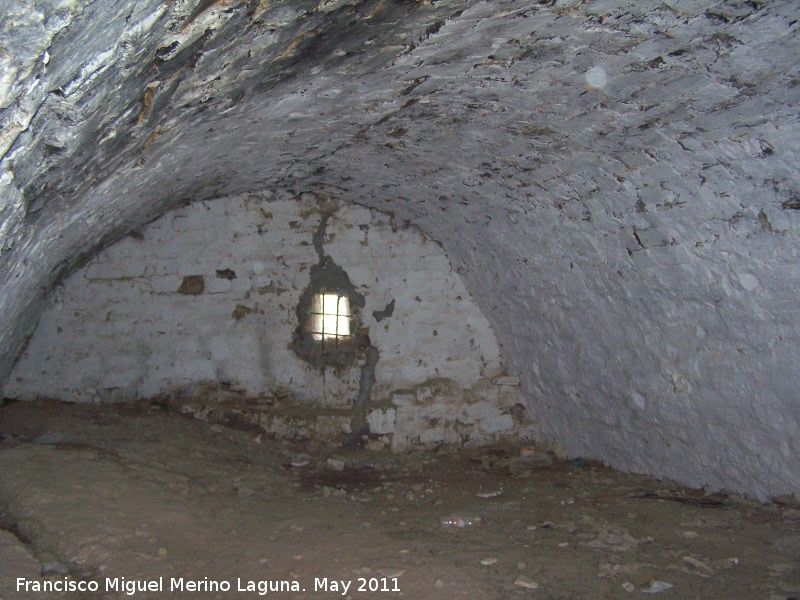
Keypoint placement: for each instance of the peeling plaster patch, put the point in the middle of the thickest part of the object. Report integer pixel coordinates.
(388, 311)
(229, 274)
(240, 312)
(192, 285)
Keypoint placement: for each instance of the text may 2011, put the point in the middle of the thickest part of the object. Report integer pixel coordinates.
(180, 584)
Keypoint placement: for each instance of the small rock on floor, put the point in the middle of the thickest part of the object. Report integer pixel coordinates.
(335, 464)
(526, 582)
(391, 573)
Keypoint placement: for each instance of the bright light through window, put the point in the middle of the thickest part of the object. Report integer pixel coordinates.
(330, 317)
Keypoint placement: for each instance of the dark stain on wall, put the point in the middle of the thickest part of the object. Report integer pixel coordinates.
(226, 274)
(328, 277)
(241, 311)
(380, 315)
(192, 285)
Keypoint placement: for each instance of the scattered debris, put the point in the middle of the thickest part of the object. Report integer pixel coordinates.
(656, 587)
(526, 582)
(377, 510)
(489, 494)
(616, 542)
(391, 573)
(690, 535)
(374, 445)
(335, 464)
(460, 522)
(703, 569)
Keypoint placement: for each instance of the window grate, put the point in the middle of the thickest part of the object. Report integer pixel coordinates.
(329, 319)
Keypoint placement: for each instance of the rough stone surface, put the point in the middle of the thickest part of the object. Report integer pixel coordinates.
(616, 182)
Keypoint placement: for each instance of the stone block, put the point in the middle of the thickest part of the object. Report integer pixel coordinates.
(432, 436)
(287, 428)
(409, 421)
(165, 284)
(400, 444)
(215, 285)
(481, 410)
(497, 424)
(451, 436)
(375, 445)
(330, 426)
(405, 398)
(382, 420)
(240, 285)
(336, 464)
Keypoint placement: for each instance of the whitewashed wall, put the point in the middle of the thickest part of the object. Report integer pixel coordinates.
(120, 329)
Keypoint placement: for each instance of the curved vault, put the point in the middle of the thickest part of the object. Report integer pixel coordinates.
(615, 182)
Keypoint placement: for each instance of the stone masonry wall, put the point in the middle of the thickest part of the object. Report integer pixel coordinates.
(200, 306)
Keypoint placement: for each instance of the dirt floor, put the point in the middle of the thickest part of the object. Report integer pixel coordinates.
(118, 496)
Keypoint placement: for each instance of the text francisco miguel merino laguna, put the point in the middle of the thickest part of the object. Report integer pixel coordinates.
(181, 584)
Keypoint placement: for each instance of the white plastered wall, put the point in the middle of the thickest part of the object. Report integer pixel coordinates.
(123, 327)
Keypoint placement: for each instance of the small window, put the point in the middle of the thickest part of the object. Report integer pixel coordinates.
(329, 331)
(329, 319)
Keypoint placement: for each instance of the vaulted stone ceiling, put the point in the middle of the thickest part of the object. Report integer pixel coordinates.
(616, 181)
